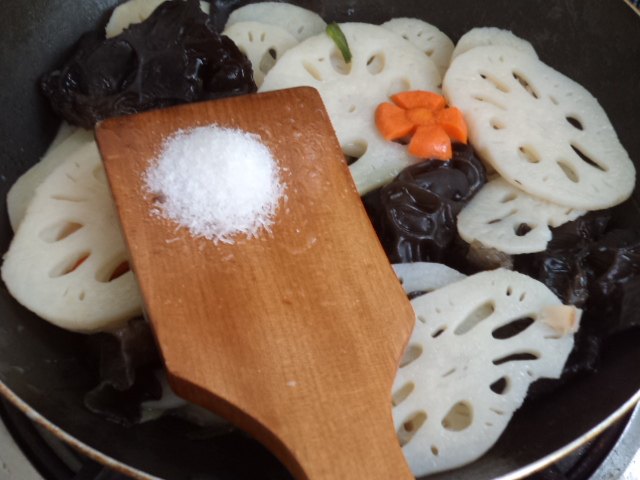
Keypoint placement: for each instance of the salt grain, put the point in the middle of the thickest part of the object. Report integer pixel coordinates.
(217, 182)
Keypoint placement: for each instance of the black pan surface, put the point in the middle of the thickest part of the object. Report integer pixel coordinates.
(596, 42)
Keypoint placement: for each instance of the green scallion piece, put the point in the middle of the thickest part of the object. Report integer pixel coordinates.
(335, 33)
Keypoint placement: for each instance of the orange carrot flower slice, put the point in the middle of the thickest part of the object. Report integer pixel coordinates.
(453, 123)
(431, 141)
(392, 121)
(419, 98)
(425, 117)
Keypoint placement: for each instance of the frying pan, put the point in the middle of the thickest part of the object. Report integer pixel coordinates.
(44, 371)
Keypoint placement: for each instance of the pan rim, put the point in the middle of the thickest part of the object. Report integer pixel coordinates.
(117, 465)
(71, 440)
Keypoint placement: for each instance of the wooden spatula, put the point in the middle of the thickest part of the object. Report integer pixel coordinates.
(294, 336)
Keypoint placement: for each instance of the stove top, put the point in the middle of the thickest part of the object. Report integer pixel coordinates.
(28, 452)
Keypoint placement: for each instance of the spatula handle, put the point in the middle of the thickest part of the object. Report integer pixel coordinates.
(335, 435)
(338, 434)
(364, 447)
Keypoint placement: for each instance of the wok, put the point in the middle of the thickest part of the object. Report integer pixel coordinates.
(43, 370)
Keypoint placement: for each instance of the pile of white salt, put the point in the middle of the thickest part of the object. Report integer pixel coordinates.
(217, 182)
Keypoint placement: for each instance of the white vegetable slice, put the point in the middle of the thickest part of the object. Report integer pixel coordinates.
(263, 44)
(64, 131)
(67, 260)
(486, 36)
(298, 21)
(383, 63)
(433, 42)
(464, 373)
(136, 11)
(21, 192)
(543, 132)
(499, 212)
(425, 276)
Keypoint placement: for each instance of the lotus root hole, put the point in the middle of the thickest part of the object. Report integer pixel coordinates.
(112, 270)
(250, 36)
(509, 197)
(268, 60)
(575, 123)
(516, 357)
(449, 372)
(554, 100)
(354, 150)
(568, 171)
(69, 264)
(458, 418)
(411, 354)
(313, 71)
(509, 291)
(529, 154)
(263, 36)
(513, 328)
(81, 295)
(68, 198)
(525, 84)
(500, 386)
(499, 219)
(588, 160)
(474, 318)
(435, 451)
(489, 100)
(338, 63)
(121, 269)
(523, 229)
(410, 427)
(496, 124)
(59, 231)
(376, 63)
(438, 332)
(402, 393)
(495, 82)
(301, 29)
(429, 52)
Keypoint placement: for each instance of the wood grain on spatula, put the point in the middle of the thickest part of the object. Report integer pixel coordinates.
(296, 335)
